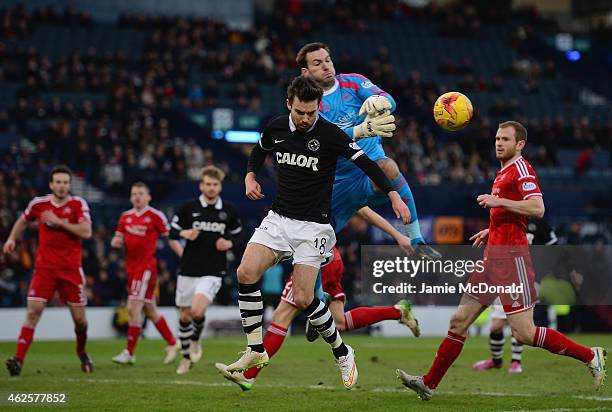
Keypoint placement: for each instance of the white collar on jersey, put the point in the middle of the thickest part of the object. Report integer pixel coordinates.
(66, 200)
(293, 128)
(218, 203)
(333, 88)
(511, 163)
(141, 212)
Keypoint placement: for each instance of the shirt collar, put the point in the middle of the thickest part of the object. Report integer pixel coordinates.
(218, 203)
(333, 88)
(511, 163)
(293, 128)
(68, 198)
(142, 212)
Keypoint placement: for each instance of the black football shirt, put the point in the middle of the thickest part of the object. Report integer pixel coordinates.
(306, 166)
(200, 256)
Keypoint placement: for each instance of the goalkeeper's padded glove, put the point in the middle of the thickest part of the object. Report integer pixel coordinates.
(375, 105)
(382, 125)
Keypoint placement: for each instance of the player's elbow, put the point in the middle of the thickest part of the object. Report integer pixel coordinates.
(86, 233)
(539, 211)
(177, 248)
(536, 207)
(363, 213)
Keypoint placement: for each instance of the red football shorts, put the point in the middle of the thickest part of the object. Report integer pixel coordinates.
(141, 285)
(331, 279)
(502, 277)
(70, 285)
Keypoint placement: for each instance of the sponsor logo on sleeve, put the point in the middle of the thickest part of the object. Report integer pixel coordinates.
(367, 84)
(527, 186)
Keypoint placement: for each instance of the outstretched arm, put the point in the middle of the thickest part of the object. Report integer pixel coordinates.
(380, 222)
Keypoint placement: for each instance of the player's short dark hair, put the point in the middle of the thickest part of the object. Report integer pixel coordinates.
(213, 172)
(60, 169)
(519, 130)
(300, 58)
(305, 89)
(141, 184)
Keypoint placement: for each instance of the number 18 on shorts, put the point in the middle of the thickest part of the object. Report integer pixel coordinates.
(309, 243)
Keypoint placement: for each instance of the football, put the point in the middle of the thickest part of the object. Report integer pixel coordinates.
(453, 111)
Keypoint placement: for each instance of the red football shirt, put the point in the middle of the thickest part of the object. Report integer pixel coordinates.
(516, 181)
(140, 231)
(57, 248)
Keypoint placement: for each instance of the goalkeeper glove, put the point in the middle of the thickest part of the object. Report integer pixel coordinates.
(375, 105)
(382, 125)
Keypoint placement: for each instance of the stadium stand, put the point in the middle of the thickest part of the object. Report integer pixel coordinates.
(116, 102)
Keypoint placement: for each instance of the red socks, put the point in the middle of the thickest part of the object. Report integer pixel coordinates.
(164, 330)
(132, 336)
(81, 339)
(362, 317)
(272, 341)
(23, 342)
(549, 339)
(27, 335)
(556, 342)
(448, 351)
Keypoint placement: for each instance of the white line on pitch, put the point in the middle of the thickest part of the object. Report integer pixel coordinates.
(557, 410)
(326, 387)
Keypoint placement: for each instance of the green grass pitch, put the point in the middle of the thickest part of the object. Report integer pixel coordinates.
(303, 377)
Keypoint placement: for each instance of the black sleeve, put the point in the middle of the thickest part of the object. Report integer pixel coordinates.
(179, 222)
(374, 172)
(345, 147)
(259, 152)
(341, 144)
(256, 159)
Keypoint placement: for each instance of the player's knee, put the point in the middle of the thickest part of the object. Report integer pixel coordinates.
(302, 300)
(524, 335)
(497, 326)
(151, 312)
(80, 323)
(185, 314)
(246, 274)
(197, 313)
(33, 316)
(458, 324)
(134, 314)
